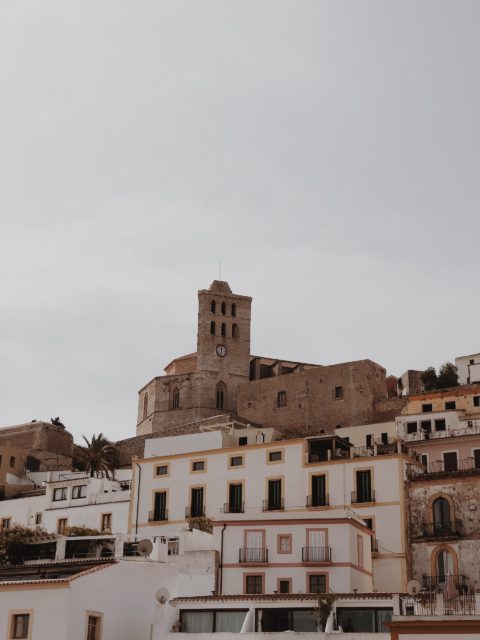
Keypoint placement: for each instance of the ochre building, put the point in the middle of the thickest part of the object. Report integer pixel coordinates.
(222, 377)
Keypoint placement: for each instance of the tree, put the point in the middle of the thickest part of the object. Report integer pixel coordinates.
(14, 541)
(447, 376)
(429, 379)
(100, 457)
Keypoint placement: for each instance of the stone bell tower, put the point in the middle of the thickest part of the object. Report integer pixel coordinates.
(223, 342)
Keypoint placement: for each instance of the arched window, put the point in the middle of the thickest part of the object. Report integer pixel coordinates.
(212, 328)
(282, 399)
(235, 331)
(175, 398)
(224, 329)
(441, 516)
(145, 405)
(213, 306)
(234, 309)
(224, 309)
(220, 395)
(444, 565)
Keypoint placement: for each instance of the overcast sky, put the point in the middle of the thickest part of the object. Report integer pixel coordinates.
(327, 152)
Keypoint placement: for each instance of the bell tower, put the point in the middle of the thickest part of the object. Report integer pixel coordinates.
(223, 340)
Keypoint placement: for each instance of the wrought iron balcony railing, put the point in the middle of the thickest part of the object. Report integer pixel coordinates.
(160, 516)
(363, 496)
(318, 501)
(273, 505)
(195, 512)
(441, 529)
(234, 507)
(249, 555)
(316, 554)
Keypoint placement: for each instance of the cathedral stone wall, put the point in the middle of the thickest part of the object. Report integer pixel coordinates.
(321, 398)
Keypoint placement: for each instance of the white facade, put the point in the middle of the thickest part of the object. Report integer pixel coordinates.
(122, 595)
(96, 503)
(366, 435)
(468, 368)
(205, 475)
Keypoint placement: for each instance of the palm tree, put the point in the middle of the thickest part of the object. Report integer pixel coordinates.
(100, 457)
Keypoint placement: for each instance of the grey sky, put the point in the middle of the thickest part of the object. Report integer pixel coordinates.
(327, 152)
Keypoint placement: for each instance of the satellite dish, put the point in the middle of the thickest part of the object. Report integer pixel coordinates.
(162, 595)
(145, 547)
(413, 587)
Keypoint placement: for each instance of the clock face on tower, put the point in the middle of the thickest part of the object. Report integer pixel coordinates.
(221, 350)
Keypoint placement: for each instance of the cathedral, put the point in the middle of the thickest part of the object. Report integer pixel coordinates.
(223, 381)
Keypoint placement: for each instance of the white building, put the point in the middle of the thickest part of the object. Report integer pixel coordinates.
(369, 435)
(72, 500)
(468, 368)
(296, 515)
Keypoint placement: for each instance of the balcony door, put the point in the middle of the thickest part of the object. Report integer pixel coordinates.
(364, 486)
(254, 546)
(160, 506)
(316, 550)
(274, 494)
(235, 498)
(444, 565)
(196, 506)
(318, 491)
(450, 461)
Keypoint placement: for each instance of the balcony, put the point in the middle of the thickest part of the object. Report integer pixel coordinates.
(438, 468)
(318, 501)
(455, 583)
(248, 555)
(441, 529)
(273, 505)
(359, 497)
(157, 517)
(195, 512)
(316, 555)
(234, 508)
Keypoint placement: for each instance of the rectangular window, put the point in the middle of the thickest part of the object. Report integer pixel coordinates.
(198, 465)
(284, 543)
(282, 399)
(19, 626)
(6, 523)
(196, 503)
(319, 495)
(12, 461)
(160, 506)
(242, 441)
(338, 393)
(317, 583)
(254, 584)
(106, 522)
(235, 497)
(274, 456)
(94, 624)
(424, 459)
(450, 404)
(79, 491)
(274, 501)
(411, 427)
(426, 408)
(364, 620)
(364, 491)
(384, 437)
(476, 458)
(450, 461)
(61, 526)
(426, 426)
(60, 493)
(284, 586)
(476, 401)
(38, 518)
(161, 470)
(440, 424)
(368, 523)
(236, 461)
(368, 440)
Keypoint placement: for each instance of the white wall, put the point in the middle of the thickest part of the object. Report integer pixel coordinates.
(50, 611)
(466, 371)
(357, 435)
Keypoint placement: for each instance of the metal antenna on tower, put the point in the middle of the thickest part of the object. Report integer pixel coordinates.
(219, 269)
